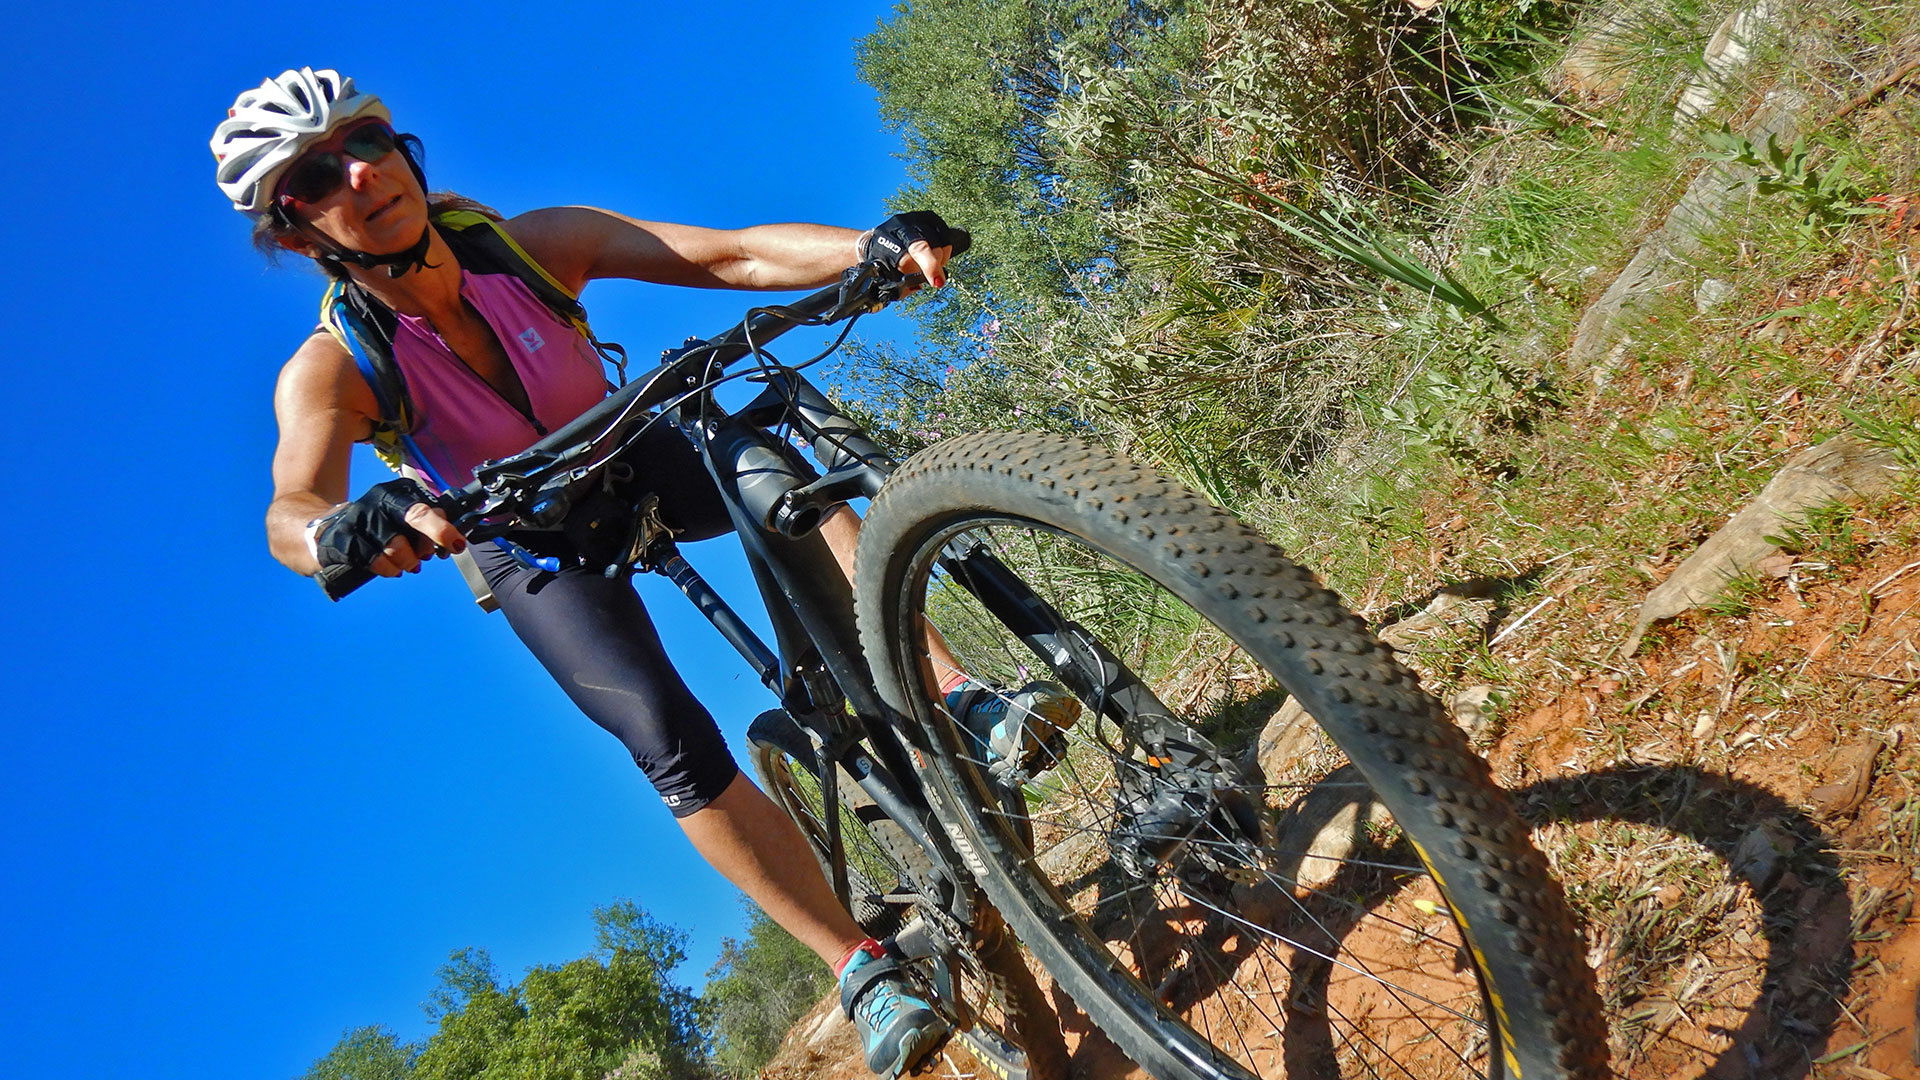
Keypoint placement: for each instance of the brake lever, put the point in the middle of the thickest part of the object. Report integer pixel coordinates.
(473, 524)
(867, 287)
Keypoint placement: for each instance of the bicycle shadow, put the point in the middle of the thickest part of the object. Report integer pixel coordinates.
(1805, 917)
(1806, 911)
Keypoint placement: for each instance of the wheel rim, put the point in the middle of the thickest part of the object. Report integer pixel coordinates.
(975, 992)
(871, 871)
(1309, 940)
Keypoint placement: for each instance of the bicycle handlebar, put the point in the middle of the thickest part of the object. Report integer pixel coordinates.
(861, 290)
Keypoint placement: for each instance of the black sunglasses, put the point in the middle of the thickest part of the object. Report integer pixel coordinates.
(320, 172)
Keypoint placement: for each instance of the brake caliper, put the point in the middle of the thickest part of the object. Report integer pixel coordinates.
(1161, 808)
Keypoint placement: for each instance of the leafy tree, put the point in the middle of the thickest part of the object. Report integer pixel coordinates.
(477, 1018)
(577, 1021)
(1176, 204)
(367, 1053)
(760, 987)
(971, 85)
(616, 1011)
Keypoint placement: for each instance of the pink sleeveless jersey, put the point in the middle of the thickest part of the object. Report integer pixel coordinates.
(462, 421)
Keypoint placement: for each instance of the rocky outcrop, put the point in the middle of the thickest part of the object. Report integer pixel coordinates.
(1727, 54)
(1844, 469)
(1606, 329)
(1597, 61)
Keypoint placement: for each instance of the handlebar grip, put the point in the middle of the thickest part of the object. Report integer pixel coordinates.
(338, 581)
(961, 239)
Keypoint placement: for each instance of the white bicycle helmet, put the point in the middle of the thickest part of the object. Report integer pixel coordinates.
(270, 126)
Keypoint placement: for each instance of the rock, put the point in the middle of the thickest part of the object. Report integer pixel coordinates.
(1703, 728)
(824, 1030)
(822, 1045)
(1323, 828)
(1659, 264)
(1448, 611)
(1732, 45)
(1757, 857)
(1844, 796)
(1712, 294)
(1775, 331)
(1073, 855)
(1843, 469)
(1287, 738)
(1473, 709)
(1598, 65)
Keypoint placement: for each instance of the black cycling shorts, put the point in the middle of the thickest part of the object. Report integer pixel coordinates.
(595, 638)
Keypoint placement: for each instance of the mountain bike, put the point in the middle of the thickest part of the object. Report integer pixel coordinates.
(1367, 905)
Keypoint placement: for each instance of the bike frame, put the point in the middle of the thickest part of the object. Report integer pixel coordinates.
(831, 712)
(816, 666)
(776, 500)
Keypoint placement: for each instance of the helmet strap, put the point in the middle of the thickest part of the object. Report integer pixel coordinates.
(399, 262)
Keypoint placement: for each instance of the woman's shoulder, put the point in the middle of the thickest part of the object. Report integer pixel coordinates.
(564, 240)
(320, 350)
(321, 370)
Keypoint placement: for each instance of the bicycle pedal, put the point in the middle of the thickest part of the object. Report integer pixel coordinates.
(998, 1056)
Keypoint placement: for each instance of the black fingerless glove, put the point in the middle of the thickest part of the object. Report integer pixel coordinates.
(357, 533)
(888, 241)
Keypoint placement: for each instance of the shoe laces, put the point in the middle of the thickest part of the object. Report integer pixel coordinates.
(880, 1004)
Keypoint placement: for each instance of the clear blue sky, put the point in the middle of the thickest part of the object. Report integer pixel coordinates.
(237, 819)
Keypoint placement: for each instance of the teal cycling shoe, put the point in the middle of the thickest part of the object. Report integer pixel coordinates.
(897, 1027)
(1023, 729)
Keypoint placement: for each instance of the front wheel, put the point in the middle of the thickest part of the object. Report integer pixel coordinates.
(1365, 905)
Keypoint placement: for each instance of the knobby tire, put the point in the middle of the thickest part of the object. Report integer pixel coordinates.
(1428, 941)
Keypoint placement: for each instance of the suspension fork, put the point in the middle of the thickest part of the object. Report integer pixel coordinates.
(1084, 665)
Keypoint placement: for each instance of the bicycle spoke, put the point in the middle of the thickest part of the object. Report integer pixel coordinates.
(1329, 958)
(1240, 896)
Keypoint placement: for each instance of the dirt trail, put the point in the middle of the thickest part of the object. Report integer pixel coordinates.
(1771, 756)
(823, 1046)
(1734, 808)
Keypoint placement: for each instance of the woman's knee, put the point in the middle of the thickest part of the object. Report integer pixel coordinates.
(690, 786)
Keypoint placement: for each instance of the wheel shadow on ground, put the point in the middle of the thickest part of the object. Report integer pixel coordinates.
(1805, 917)
(1794, 878)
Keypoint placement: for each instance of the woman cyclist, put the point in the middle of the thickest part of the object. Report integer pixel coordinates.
(489, 368)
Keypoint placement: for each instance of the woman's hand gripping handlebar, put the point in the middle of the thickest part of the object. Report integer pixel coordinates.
(386, 532)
